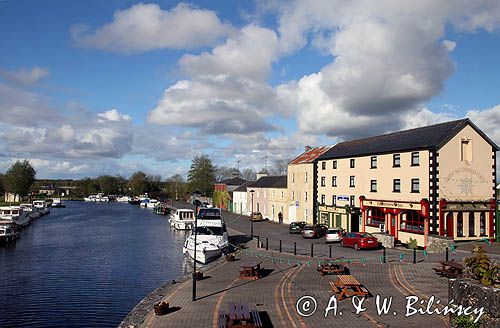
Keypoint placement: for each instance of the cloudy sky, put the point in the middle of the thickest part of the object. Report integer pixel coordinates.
(109, 87)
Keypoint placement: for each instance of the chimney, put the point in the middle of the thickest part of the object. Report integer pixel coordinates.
(307, 148)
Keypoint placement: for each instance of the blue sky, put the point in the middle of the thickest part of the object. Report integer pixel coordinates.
(110, 87)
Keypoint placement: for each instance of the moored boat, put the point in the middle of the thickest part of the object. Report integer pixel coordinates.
(182, 219)
(57, 203)
(8, 232)
(96, 198)
(123, 199)
(148, 203)
(41, 206)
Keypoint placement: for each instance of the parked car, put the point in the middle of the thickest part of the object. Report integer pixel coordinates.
(359, 240)
(296, 227)
(334, 235)
(322, 228)
(197, 202)
(206, 204)
(310, 231)
(257, 216)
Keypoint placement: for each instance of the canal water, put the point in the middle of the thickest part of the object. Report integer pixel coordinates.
(87, 265)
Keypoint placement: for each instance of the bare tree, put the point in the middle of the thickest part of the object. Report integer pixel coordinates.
(280, 167)
(224, 172)
(249, 174)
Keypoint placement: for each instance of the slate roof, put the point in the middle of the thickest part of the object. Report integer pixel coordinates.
(310, 155)
(237, 181)
(275, 181)
(243, 187)
(428, 137)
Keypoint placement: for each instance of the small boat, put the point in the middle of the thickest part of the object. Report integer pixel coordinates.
(182, 219)
(149, 203)
(123, 199)
(57, 203)
(41, 206)
(31, 211)
(14, 215)
(134, 201)
(96, 198)
(8, 232)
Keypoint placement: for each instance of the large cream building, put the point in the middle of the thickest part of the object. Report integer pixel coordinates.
(435, 180)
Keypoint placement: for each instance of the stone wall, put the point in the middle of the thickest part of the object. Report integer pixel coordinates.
(385, 239)
(467, 292)
(438, 244)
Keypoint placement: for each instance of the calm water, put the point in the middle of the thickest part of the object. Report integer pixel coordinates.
(86, 265)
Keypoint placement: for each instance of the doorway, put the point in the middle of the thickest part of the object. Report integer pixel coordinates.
(449, 225)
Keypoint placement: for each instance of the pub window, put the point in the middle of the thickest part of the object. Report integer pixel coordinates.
(334, 164)
(375, 217)
(324, 218)
(323, 197)
(334, 181)
(412, 221)
(396, 185)
(373, 185)
(373, 162)
(460, 225)
(415, 159)
(482, 224)
(323, 181)
(334, 200)
(465, 150)
(352, 163)
(396, 160)
(323, 165)
(415, 185)
(351, 181)
(472, 229)
(351, 201)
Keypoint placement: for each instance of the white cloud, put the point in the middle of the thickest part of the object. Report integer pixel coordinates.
(24, 76)
(113, 115)
(145, 27)
(488, 121)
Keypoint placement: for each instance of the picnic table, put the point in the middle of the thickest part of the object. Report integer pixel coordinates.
(335, 268)
(450, 269)
(346, 285)
(239, 316)
(250, 270)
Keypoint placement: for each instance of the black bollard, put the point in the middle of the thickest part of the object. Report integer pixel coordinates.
(414, 256)
(384, 256)
(280, 245)
(294, 248)
(312, 250)
(267, 244)
(258, 241)
(447, 254)
(330, 251)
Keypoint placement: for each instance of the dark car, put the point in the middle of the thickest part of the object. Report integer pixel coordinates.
(296, 227)
(310, 231)
(322, 229)
(359, 240)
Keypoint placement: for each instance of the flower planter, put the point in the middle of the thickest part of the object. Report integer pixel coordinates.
(198, 275)
(230, 257)
(161, 308)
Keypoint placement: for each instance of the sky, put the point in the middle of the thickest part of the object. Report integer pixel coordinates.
(111, 87)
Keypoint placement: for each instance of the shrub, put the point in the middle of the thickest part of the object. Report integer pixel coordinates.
(412, 244)
(463, 321)
(482, 268)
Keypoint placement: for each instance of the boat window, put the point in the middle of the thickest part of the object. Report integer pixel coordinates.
(2, 231)
(216, 231)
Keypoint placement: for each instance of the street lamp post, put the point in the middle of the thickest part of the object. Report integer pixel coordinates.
(251, 216)
(194, 257)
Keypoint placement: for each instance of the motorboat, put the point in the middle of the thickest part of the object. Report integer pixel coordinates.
(123, 199)
(30, 210)
(41, 206)
(96, 198)
(211, 237)
(148, 203)
(182, 219)
(57, 203)
(8, 232)
(14, 215)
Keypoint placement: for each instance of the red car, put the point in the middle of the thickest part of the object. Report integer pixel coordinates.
(359, 240)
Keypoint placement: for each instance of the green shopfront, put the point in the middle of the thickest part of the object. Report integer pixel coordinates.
(339, 216)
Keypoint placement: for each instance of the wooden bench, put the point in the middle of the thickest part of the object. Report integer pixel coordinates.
(250, 271)
(334, 288)
(449, 269)
(331, 268)
(239, 317)
(256, 318)
(222, 322)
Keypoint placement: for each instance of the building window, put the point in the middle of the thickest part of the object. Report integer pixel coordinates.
(415, 185)
(293, 177)
(334, 200)
(375, 217)
(396, 185)
(334, 165)
(465, 150)
(323, 182)
(412, 221)
(305, 177)
(293, 194)
(373, 185)
(351, 201)
(415, 159)
(352, 163)
(305, 196)
(323, 198)
(273, 193)
(396, 160)
(334, 181)
(482, 224)
(282, 195)
(264, 192)
(460, 225)
(351, 181)
(472, 228)
(305, 214)
(373, 162)
(323, 165)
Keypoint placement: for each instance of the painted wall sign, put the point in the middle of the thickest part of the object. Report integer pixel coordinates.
(344, 198)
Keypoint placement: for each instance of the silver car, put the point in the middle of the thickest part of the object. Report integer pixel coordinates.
(334, 235)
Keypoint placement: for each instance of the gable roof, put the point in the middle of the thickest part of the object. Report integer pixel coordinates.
(275, 181)
(433, 136)
(310, 155)
(237, 181)
(243, 187)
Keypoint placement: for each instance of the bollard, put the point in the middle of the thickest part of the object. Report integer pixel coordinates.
(280, 245)
(414, 256)
(447, 254)
(267, 244)
(258, 241)
(294, 248)
(312, 250)
(383, 256)
(330, 251)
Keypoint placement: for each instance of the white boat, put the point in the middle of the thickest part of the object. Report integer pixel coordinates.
(182, 219)
(211, 238)
(56, 202)
(14, 215)
(149, 203)
(31, 211)
(41, 206)
(123, 199)
(96, 198)
(7, 232)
